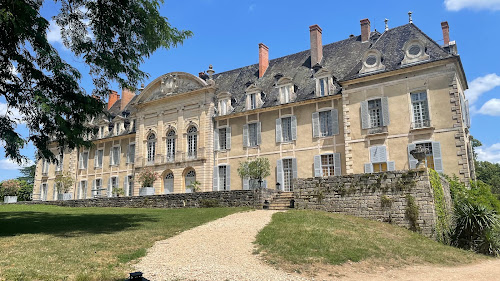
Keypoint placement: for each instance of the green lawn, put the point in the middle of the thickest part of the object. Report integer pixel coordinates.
(39, 242)
(300, 238)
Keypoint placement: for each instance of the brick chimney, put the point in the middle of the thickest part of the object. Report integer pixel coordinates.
(446, 32)
(365, 30)
(263, 59)
(316, 44)
(113, 97)
(127, 96)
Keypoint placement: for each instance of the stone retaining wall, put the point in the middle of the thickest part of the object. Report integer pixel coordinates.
(378, 196)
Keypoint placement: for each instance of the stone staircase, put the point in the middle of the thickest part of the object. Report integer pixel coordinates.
(281, 201)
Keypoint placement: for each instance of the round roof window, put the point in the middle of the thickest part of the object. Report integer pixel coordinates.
(371, 60)
(414, 50)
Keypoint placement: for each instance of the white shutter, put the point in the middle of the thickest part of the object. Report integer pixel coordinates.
(337, 165)
(365, 116)
(228, 177)
(117, 183)
(279, 136)
(55, 192)
(378, 154)
(94, 192)
(279, 173)
(318, 172)
(245, 183)
(245, 135)
(228, 138)
(335, 122)
(411, 160)
(294, 128)
(85, 189)
(80, 190)
(216, 140)
(109, 188)
(385, 111)
(96, 155)
(436, 153)
(368, 168)
(294, 167)
(215, 181)
(80, 162)
(315, 124)
(391, 166)
(258, 129)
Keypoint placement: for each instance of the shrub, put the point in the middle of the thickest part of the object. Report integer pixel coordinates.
(9, 188)
(412, 213)
(209, 203)
(24, 193)
(148, 177)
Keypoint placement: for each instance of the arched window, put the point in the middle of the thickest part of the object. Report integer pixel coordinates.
(171, 146)
(192, 135)
(169, 183)
(190, 178)
(151, 148)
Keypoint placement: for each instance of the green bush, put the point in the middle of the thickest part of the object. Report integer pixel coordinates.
(209, 203)
(25, 191)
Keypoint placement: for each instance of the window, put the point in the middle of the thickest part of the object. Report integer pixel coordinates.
(169, 183)
(375, 113)
(101, 132)
(372, 61)
(286, 171)
(113, 186)
(84, 157)
(222, 178)
(325, 123)
(433, 158)
(44, 188)
(253, 100)
(378, 160)
(97, 187)
(286, 129)
(151, 148)
(286, 94)
(115, 155)
(98, 158)
(222, 139)
(45, 167)
(327, 165)
(60, 160)
(375, 108)
(414, 51)
(192, 141)
(223, 108)
(129, 185)
(323, 87)
(131, 153)
(189, 179)
(287, 175)
(251, 134)
(171, 146)
(420, 110)
(82, 190)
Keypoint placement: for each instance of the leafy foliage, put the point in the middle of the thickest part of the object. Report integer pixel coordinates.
(64, 182)
(28, 174)
(111, 37)
(489, 173)
(148, 177)
(411, 213)
(443, 223)
(195, 186)
(258, 169)
(9, 187)
(25, 191)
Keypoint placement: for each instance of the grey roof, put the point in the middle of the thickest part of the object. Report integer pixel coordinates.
(342, 58)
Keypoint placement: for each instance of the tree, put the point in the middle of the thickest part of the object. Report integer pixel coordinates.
(489, 173)
(111, 37)
(475, 143)
(256, 169)
(28, 174)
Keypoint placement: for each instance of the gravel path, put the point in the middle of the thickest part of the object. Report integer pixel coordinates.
(219, 250)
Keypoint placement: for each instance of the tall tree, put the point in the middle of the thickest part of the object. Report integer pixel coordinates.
(28, 174)
(112, 38)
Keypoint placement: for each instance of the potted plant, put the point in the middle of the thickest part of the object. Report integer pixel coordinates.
(9, 189)
(118, 191)
(147, 177)
(64, 183)
(193, 187)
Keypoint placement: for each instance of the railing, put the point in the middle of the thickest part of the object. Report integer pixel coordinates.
(421, 124)
(378, 130)
(178, 157)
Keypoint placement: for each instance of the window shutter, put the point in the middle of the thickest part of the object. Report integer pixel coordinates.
(111, 159)
(278, 130)
(85, 190)
(378, 154)
(85, 159)
(294, 128)
(96, 155)
(315, 124)
(55, 192)
(216, 140)
(80, 191)
(80, 162)
(368, 168)
(411, 160)
(118, 156)
(365, 116)
(245, 184)
(93, 189)
(117, 183)
(132, 150)
(385, 111)
(259, 128)
(245, 135)
(228, 177)
(294, 167)
(318, 172)
(228, 138)
(215, 183)
(335, 122)
(125, 186)
(391, 166)
(279, 173)
(436, 153)
(337, 165)
(109, 188)
(264, 184)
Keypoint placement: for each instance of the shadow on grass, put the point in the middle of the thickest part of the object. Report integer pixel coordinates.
(67, 225)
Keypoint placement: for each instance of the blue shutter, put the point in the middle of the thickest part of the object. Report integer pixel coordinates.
(436, 153)
(385, 111)
(259, 128)
(228, 138)
(278, 130)
(391, 166)
(216, 139)
(365, 116)
(294, 128)
(294, 167)
(228, 177)
(337, 168)
(378, 154)
(318, 172)
(109, 187)
(279, 173)
(245, 183)
(411, 160)
(215, 183)
(335, 122)
(245, 135)
(264, 184)
(368, 168)
(315, 124)
(125, 186)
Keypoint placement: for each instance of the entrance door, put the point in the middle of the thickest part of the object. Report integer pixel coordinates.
(168, 186)
(190, 178)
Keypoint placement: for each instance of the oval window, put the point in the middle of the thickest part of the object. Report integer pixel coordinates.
(414, 50)
(371, 60)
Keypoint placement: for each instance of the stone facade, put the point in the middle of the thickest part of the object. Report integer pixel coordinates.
(379, 196)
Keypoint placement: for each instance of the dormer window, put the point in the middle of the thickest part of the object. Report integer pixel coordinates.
(324, 83)
(101, 132)
(285, 90)
(253, 100)
(224, 105)
(414, 51)
(323, 87)
(372, 62)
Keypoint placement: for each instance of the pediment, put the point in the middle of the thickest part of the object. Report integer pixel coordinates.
(252, 88)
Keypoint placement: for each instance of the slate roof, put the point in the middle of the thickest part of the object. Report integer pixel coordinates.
(342, 58)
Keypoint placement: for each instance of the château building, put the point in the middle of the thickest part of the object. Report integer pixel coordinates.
(354, 106)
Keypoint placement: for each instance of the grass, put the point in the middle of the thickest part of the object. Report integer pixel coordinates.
(39, 242)
(297, 239)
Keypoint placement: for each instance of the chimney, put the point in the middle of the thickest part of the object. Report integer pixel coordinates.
(365, 30)
(446, 32)
(113, 97)
(127, 96)
(316, 44)
(263, 59)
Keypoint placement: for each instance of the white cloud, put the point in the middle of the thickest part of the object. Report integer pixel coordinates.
(7, 164)
(490, 154)
(481, 85)
(12, 112)
(491, 107)
(457, 5)
(54, 33)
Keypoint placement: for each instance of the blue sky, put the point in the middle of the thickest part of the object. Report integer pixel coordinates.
(227, 34)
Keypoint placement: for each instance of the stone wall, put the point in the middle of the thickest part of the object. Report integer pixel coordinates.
(234, 198)
(378, 196)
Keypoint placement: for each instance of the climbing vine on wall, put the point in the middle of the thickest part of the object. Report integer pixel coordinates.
(443, 217)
